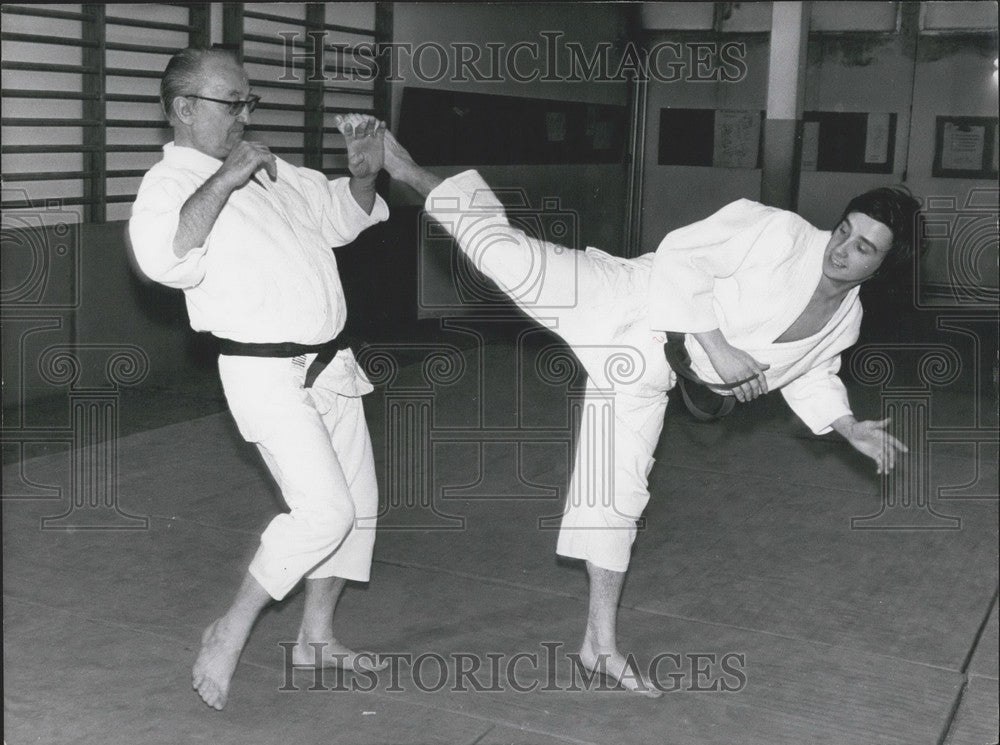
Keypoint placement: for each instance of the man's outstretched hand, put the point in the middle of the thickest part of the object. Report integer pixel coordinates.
(870, 438)
(364, 136)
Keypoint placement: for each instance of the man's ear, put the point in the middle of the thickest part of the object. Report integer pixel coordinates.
(183, 109)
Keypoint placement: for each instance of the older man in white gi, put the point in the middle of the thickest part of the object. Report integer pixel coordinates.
(248, 238)
(766, 300)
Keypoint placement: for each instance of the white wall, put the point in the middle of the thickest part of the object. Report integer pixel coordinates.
(834, 83)
(677, 195)
(959, 84)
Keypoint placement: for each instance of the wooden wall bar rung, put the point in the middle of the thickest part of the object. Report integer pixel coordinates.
(63, 95)
(355, 50)
(69, 175)
(138, 123)
(276, 41)
(158, 25)
(349, 29)
(31, 149)
(45, 39)
(275, 62)
(340, 69)
(134, 148)
(129, 173)
(309, 24)
(46, 67)
(347, 110)
(144, 48)
(21, 10)
(260, 83)
(14, 204)
(121, 72)
(130, 97)
(260, 16)
(48, 176)
(22, 121)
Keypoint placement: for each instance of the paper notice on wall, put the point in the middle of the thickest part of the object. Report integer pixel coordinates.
(555, 126)
(962, 149)
(737, 139)
(877, 138)
(810, 145)
(996, 147)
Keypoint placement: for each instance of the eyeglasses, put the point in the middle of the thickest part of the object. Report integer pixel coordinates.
(235, 107)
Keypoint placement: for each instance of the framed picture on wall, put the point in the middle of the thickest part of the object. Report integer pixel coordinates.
(848, 141)
(716, 138)
(965, 147)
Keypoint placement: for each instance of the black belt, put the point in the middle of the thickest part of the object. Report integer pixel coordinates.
(680, 362)
(325, 352)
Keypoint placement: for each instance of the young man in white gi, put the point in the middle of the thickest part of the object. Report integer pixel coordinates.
(249, 239)
(763, 296)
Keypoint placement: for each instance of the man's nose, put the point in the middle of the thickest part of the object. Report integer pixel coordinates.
(244, 115)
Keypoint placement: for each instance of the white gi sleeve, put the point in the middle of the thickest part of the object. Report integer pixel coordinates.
(818, 397)
(690, 259)
(341, 218)
(152, 227)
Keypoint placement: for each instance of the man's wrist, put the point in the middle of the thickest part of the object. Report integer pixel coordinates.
(845, 425)
(221, 183)
(711, 341)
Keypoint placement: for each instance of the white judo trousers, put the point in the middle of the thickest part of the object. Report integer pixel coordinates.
(597, 304)
(316, 445)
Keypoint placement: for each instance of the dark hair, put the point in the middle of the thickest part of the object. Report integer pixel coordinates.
(183, 73)
(897, 209)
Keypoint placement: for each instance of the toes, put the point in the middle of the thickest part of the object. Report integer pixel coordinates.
(207, 692)
(213, 696)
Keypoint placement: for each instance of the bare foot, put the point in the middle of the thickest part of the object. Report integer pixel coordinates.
(398, 161)
(213, 670)
(328, 652)
(610, 662)
(403, 168)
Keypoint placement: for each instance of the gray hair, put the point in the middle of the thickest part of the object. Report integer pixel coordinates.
(183, 73)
